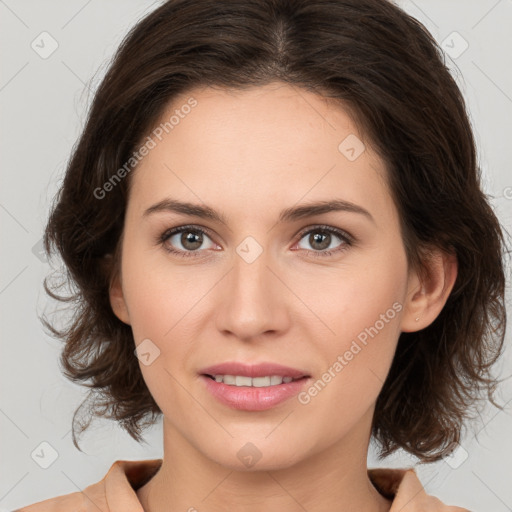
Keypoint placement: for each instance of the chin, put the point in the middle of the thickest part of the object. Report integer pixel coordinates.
(251, 454)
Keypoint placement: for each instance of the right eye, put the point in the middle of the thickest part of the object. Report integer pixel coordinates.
(189, 237)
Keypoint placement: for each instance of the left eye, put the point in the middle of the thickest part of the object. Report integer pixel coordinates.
(322, 239)
(192, 238)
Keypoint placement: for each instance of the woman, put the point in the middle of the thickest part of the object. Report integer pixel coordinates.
(274, 222)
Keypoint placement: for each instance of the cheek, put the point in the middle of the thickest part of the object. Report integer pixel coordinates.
(158, 296)
(356, 295)
(160, 304)
(361, 308)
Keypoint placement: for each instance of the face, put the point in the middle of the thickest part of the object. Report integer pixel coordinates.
(323, 292)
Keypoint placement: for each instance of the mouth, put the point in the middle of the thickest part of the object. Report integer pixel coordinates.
(239, 371)
(257, 387)
(255, 382)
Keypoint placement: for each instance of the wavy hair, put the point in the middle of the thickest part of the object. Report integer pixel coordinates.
(387, 71)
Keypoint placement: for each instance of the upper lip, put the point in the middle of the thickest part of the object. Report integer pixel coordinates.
(253, 370)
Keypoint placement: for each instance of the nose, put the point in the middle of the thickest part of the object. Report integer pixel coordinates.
(254, 299)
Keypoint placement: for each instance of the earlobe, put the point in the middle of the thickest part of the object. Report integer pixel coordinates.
(428, 294)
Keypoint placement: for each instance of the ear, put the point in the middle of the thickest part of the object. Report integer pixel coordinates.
(427, 294)
(116, 295)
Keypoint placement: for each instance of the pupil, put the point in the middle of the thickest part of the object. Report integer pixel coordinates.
(188, 238)
(315, 238)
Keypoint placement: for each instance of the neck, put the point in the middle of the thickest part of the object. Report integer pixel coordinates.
(334, 479)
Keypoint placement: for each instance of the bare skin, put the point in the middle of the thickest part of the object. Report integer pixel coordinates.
(248, 155)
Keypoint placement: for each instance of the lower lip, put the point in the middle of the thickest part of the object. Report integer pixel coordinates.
(247, 398)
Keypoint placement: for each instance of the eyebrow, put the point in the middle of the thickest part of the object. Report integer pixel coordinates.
(287, 215)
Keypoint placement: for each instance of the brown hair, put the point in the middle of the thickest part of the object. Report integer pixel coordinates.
(382, 65)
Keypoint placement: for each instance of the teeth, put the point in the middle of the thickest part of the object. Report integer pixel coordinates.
(243, 381)
(257, 382)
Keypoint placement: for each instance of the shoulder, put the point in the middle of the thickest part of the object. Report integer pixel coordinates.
(116, 488)
(64, 503)
(405, 490)
(92, 498)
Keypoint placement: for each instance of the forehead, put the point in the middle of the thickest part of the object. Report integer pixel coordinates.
(276, 141)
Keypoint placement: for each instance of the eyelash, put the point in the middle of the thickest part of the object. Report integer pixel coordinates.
(348, 240)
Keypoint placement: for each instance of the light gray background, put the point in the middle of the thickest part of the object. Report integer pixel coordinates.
(43, 108)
